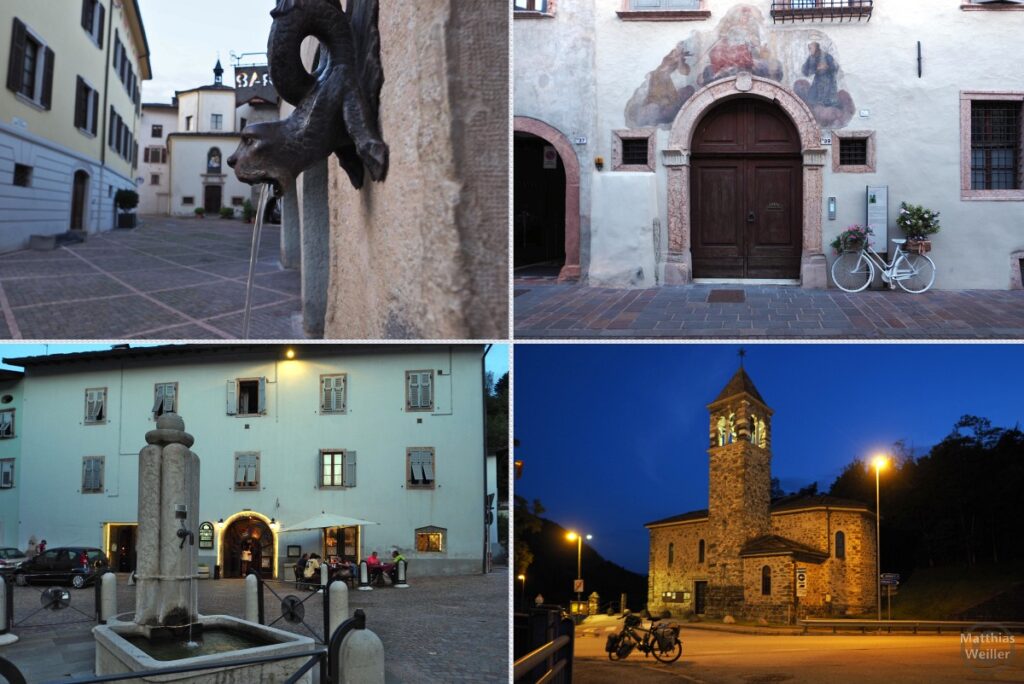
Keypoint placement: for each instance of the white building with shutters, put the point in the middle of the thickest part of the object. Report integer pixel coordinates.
(69, 114)
(390, 434)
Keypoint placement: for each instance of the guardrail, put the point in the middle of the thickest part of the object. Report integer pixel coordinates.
(907, 625)
(528, 662)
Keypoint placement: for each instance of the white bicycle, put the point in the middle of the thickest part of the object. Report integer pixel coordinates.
(853, 271)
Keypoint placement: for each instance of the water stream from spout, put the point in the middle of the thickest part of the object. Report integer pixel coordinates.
(257, 230)
(193, 600)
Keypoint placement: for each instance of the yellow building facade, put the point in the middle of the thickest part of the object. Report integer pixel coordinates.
(69, 114)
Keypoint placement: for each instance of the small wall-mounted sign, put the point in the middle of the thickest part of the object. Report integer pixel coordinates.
(206, 536)
(579, 140)
(801, 581)
(774, 206)
(865, 113)
(826, 138)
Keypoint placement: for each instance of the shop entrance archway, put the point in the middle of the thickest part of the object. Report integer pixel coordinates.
(247, 541)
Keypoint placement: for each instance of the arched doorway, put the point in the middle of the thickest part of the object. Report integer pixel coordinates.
(546, 200)
(539, 207)
(746, 189)
(79, 200)
(247, 542)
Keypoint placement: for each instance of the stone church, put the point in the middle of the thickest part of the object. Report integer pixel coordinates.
(750, 557)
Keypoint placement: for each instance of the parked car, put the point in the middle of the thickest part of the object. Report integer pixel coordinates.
(74, 565)
(10, 559)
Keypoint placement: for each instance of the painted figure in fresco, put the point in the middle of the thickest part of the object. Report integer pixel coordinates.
(823, 68)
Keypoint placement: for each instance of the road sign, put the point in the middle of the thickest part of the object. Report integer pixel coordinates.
(890, 578)
(577, 586)
(801, 581)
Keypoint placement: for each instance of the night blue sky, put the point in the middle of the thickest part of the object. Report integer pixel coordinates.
(613, 436)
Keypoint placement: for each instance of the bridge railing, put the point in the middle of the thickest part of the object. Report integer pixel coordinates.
(914, 626)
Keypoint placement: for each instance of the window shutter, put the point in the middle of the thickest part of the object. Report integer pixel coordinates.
(413, 391)
(428, 467)
(15, 66)
(47, 98)
(87, 15)
(169, 399)
(95, 111)
(7, 476)
(240, 469)
(426, 391)
(339, 394)
(81, 103)
(326, 399)
(263, 396)
(103, 13)
(232, 401)
(350, 469)
(158, 398)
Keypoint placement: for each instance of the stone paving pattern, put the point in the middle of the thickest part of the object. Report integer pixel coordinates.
(169, 278)
(441, 629)
(545, 310)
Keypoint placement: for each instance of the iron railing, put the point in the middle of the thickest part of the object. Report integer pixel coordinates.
(784, 11)
(907, 625)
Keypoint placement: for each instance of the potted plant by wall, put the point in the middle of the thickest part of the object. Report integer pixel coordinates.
(248, 212)
(200, 212)
(227, 213)
(917, 223)
(126, 201)
(852, 239)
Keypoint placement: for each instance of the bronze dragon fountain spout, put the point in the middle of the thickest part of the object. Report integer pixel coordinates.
(337, 106)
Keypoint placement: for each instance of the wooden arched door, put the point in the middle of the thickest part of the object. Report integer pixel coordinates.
(746, 193)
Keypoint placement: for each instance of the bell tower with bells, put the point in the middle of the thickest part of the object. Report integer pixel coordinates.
(739, 485)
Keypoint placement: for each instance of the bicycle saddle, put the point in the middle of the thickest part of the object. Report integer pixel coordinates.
(899, 242)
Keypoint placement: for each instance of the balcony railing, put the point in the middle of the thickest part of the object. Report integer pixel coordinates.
(784, 11)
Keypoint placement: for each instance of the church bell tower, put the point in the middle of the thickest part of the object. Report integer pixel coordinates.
(739, 486)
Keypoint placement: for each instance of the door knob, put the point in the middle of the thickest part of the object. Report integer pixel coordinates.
(750, 217)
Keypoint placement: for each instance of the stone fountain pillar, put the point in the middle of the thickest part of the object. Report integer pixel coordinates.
(168, 479)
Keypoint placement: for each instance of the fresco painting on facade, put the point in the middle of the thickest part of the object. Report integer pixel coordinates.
(743, 42)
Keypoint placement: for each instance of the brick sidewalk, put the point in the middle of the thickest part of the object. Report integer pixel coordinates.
(574, 311)
(441, 629)
(168, 279)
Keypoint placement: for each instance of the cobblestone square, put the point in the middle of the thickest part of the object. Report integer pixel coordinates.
(170, 278)
(441, 629)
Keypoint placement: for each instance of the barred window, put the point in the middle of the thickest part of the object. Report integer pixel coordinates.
(853, 151)
(634, 151)
(995, 145)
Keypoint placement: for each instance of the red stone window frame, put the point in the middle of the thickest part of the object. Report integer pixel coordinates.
(618, 136)
(543, 9)
(966, 192)
(972, 6)
(628, 12)
(837, 141)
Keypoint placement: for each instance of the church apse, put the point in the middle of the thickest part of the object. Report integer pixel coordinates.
(803, 60)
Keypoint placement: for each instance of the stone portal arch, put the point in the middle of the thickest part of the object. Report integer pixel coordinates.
(525, 124)
(267, 525)
(678, 265)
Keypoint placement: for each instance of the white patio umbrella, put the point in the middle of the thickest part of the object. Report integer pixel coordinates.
(318, 522)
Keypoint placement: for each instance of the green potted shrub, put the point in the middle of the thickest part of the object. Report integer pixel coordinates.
(126, 201)
(248, 212)
(201, 212)
(227, 213)
(917, 223)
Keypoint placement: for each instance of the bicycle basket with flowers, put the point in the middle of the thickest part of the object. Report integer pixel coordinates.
(917, 223)
(855, 237)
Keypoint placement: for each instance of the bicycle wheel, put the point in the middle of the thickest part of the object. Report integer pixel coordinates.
(914, 273)
(852, 271)
(669, 655)
(613, 647)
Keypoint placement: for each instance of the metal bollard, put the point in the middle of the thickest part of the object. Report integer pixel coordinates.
(6, 613)
(400, 575)
(364, 577)
(252, 611)
(357, 652)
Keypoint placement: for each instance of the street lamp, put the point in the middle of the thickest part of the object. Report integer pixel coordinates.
(522, 595)
(578, 538)
(879, 462)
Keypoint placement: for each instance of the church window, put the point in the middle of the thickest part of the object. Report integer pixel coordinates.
(700, 551)
(758, 432)
(840, 545)
(727, 430)
(213, 164)
(671, 553)
(766, 581)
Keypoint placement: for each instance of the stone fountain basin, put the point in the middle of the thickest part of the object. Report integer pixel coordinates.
(116, 655)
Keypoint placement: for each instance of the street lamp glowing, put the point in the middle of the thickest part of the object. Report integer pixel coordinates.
(578, 538)
(521, 578)
(290, 354)
(880, 462)
(571, 536)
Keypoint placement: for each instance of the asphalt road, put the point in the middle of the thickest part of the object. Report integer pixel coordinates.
(719, 657)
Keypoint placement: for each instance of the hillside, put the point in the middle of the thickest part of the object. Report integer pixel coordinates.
(983, 592)
(554, 569)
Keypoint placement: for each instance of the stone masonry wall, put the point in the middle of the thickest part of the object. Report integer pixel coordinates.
(738, 498)
(425, 253)
(685, 568)
(776, 606)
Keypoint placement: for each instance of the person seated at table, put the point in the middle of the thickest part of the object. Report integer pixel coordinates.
(345, 570)
(300, 566)
(374, 566)
(393, 571)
